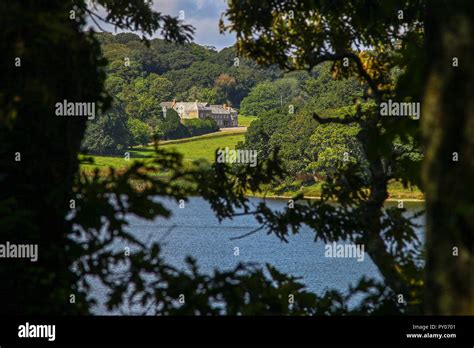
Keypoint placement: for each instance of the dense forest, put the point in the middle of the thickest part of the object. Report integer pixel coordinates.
(140, 76)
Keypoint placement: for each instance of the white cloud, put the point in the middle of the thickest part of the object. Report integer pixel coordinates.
(204, 15)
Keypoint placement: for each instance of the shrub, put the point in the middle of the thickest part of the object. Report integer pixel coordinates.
(107, 134)
(196, 126)
(140, 132)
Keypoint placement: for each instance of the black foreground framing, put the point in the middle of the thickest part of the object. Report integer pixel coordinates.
(243, 330)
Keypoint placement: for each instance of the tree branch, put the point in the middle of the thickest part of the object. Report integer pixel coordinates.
(362, 72)
(92, 15)
(249, 233)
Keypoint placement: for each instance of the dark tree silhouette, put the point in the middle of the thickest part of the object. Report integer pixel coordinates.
(368, 39)
(75, 218)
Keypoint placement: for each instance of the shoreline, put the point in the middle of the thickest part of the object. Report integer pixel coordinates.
(414, 200)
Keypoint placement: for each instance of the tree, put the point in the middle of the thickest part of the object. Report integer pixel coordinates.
(208, 95)
(329, 93)
(144, 95)
(140, 132)
(114, 84)
(127, 72)
(332, 146)
(269, 95)
(37, 190)
(170, 126)
(108, 134)
(116, 51)
(293, 141)
(197, 126)
(125, 38)
(261, 131)
(425, 59)
(191, 67)
(447, 123)
(323, 95)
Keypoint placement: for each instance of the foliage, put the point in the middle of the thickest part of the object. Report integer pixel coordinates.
(169, 126)
(36, 192)
(261, 131)
(196, 71)
(326, 93)
(332, 146)
(114, 84)
(270, 95)
(140, 132)
(208, 95)
(318, 92)
(226, 84)
(127, 73)
(108, 134)
(75, 243)
(144, 95)
(266, 33)
(196, 126)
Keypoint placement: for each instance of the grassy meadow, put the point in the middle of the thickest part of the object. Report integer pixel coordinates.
(245, 121)
(200, 147)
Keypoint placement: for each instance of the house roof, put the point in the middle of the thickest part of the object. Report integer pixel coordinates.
(189, 106)
(221, 109)
(166, 104)
(194, 106)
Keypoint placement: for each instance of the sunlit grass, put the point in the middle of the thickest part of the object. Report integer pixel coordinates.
(245, 121)
(202, 147)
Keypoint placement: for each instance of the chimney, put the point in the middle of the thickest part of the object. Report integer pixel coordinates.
(225, 105)
(174, 102)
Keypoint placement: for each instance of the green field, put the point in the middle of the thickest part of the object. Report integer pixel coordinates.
(201, 147)
(204, 148)
(245, 121)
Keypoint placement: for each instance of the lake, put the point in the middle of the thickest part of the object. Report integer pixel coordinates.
(195, 231)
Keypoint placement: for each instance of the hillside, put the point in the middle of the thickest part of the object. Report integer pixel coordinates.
(194, 148)
(140, 77)
(195, 72)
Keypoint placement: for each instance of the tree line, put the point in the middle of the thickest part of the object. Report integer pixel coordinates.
(75, 218)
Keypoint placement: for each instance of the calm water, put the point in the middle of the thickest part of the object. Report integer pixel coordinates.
(195, 231)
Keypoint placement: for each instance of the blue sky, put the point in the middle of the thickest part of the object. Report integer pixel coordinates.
(204, 15)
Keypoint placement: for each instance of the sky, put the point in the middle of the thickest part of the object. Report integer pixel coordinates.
(204, 15)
